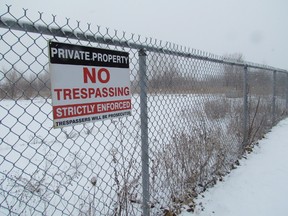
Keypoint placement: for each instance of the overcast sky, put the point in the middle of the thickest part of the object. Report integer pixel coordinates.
(256, 28)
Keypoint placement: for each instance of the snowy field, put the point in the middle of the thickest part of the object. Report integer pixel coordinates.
(50, 170)
(258, 187)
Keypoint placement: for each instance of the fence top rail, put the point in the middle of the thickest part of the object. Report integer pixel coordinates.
(168, 48)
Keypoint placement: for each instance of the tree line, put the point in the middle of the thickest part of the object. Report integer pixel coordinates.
(14, 84)
(166, 74)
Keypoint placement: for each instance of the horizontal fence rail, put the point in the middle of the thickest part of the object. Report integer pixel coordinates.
(193, 115)
(171, 49)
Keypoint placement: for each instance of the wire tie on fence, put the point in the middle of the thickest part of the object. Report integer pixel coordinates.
(25, 11)
(8, 7)
(40, 15)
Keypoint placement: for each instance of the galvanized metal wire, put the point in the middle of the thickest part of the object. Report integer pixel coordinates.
(193, 115)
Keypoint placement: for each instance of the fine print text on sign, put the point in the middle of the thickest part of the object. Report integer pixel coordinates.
(88, 84)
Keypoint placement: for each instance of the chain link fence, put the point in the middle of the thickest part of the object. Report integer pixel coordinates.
(194, 114)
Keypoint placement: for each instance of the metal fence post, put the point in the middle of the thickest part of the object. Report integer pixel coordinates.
(245, 104)
(274, 99)
(144, 131)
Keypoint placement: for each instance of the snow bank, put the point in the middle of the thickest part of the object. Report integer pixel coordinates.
(258, 187)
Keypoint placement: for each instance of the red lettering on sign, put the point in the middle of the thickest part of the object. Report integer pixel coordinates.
(103, 75)
(87, 74)
(100, 75)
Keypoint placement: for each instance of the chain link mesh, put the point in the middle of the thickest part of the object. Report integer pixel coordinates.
(195, 124)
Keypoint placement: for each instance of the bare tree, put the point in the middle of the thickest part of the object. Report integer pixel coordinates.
(164, 73)
(15, 84)
(260, 81)
(10, 83)
(43, 84)
(233, 74)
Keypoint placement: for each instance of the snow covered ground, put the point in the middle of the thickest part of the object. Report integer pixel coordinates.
(258, 187)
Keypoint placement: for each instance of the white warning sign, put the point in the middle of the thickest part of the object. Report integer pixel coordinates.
(88, 84)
